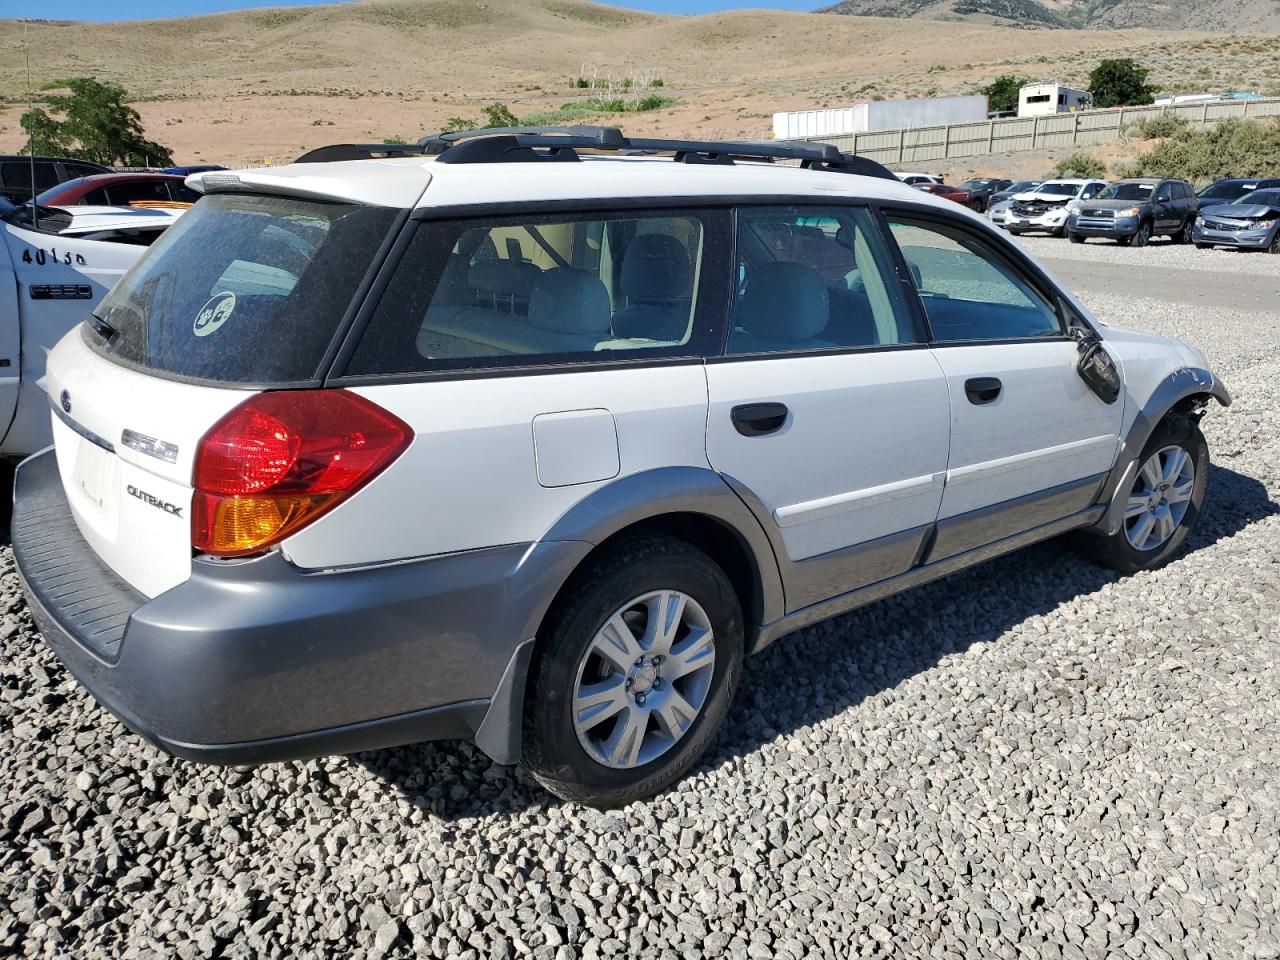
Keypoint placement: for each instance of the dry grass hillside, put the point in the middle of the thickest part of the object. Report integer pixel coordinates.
(265, 84)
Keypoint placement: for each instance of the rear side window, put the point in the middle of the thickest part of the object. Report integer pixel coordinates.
(532, 290)
(243, 289)
(17, 176)
(137, 191)
(969, 290)
(814, 279)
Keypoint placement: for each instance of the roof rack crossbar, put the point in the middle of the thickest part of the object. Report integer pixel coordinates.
(538, 143)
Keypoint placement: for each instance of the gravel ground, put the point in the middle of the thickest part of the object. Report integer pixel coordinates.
(1033, 759)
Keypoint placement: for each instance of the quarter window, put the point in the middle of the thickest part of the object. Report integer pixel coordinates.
(969, 290)
(814, 279)
(515, 291)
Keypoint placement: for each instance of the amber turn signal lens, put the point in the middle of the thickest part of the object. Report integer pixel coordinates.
(234, 526)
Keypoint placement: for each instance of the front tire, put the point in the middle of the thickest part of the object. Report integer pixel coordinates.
(1143, 235)
(1074, 237)
(634, 673)
(1164, 499)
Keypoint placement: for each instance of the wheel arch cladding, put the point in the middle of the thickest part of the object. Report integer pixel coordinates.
(691, 504)
(1185, 390)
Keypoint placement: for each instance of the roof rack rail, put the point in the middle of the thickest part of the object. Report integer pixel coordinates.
(360, 151)
(527, 144)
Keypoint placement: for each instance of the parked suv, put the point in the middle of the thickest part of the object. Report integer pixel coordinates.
(1131, 212)
(16, 172)
(1046, 208)
(517, 443)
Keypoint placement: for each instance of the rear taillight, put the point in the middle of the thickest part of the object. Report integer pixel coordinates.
(279, 460)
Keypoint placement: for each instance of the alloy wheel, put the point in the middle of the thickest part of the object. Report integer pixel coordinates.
(1159, 498)
(644, 679)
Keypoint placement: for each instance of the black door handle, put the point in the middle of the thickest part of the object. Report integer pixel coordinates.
(982, 390)
(757, 419)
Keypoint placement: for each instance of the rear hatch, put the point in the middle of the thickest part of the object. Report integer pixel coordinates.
(244, 293)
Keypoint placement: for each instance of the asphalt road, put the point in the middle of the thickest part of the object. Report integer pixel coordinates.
(1178, 274)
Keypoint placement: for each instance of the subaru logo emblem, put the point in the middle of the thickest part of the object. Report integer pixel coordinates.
(65, 400)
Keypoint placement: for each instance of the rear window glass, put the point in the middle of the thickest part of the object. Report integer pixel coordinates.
(243, 289)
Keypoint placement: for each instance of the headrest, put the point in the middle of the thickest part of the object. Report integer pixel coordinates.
(656, 267)
(784, 301)
(569, 301)
(502, 277)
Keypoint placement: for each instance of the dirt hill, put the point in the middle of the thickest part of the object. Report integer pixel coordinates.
(1233, 15)
(267, 84)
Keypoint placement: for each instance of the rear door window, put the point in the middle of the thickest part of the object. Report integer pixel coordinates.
(814, 279)
(531, 290)
(17, 176)
(243, 289)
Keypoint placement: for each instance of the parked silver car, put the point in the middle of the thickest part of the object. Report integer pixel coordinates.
(1251, 223)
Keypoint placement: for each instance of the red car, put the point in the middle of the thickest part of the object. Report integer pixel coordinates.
(962, 197)
(120, 190)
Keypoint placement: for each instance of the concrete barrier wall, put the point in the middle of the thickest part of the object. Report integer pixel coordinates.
(921, 145)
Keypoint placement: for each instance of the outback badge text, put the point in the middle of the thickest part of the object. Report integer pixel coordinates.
(145, 497)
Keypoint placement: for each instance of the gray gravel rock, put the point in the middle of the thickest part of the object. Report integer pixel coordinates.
(1036, 758)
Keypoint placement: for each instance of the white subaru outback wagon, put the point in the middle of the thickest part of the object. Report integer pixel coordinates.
(530, 437)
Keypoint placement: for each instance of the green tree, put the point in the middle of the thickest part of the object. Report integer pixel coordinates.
(97, 124)
(43, 135)
(1002, 92)
(497, 115)
(1120, 83)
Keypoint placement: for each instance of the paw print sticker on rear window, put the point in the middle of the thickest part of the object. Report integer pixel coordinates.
(214, 314)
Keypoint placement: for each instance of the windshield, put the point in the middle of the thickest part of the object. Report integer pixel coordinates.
(1127, 191)
(243, 289)
(1262, 198)
(976, 184)
(1022, 186)
(1227, 189)
(1059, 189)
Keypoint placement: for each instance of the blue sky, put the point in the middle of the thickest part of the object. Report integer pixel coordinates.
(146, 9)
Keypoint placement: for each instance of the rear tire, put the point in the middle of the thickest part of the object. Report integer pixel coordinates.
(1184, 235)
(639, 739)
(1141, 543)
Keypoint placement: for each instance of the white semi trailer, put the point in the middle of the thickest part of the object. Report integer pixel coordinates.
(879, 115)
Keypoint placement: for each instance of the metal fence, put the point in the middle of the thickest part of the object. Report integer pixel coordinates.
(1015, 134)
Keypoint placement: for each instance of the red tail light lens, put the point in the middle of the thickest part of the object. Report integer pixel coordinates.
(280, 460)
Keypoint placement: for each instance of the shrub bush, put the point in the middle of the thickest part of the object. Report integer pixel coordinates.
(1080, 165)
(1234, 148)
(1159, 127)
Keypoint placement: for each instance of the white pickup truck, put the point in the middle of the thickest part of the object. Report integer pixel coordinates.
(49, 278)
